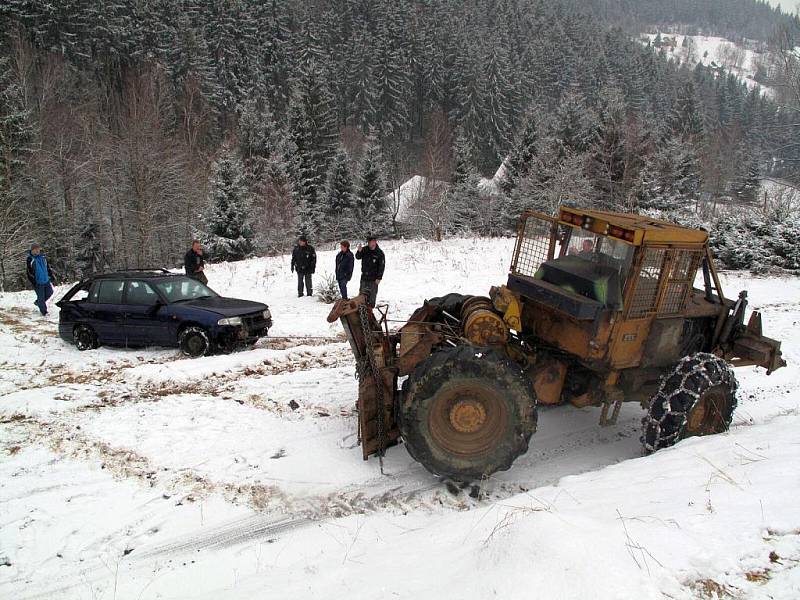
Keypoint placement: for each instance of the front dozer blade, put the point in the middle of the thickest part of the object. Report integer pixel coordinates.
(377, 378)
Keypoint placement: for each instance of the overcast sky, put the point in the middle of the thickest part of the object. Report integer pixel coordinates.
(787, 5)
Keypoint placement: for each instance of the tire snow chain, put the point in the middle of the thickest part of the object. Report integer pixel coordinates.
(682, 415)
(363, 314)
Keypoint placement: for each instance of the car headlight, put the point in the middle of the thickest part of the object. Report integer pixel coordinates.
(267, 314)
(230, 321)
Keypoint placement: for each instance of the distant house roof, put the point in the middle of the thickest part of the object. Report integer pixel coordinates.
(409, 193)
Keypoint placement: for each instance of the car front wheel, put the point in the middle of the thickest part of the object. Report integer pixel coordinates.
(85, 338)
(194, 342)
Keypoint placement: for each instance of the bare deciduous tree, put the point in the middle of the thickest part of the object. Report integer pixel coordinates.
(150, 168)
(432, 206)
(12, 235)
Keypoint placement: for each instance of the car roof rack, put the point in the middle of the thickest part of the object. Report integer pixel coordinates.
(131, 272)
(151, 270)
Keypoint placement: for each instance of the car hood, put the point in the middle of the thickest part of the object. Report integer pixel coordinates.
(227, 307)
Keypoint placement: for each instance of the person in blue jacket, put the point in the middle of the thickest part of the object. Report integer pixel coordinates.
(40, 275)
(344, 267)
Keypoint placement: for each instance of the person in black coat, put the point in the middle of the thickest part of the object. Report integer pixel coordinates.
(304, 262)
(373, 263)
(194, 263)
(344, 267)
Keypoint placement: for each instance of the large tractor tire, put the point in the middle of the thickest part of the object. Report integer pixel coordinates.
(467, 412)
(697, 397)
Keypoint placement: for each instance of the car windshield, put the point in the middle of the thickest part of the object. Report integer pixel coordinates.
(178, 289)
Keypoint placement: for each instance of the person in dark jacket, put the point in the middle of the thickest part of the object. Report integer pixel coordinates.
(194, 263)
(373, 263)
(40, 275)
(304, 261)
(344, 267)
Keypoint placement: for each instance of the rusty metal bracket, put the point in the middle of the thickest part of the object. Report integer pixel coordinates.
(605, 421)
(611, 396)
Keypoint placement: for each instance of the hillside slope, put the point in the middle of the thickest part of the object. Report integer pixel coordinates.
(136, 473)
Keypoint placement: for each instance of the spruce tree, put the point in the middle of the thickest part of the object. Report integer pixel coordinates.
(574, 125)
(361, 84)
(16, 130)
(274, 60)
(686, 118)
(340, 202)
(501, 102)
(464, 193)
(371, 210)
(609, 154)
(256, 130)
(471, 111)
(228, 231)
(747, 182)
(670, 179)
(313, 132)
(521, 158)
(392, 85)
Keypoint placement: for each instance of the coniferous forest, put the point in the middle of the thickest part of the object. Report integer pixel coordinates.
(128, 127)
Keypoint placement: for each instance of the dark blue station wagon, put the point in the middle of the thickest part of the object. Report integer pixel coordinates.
(158, 308)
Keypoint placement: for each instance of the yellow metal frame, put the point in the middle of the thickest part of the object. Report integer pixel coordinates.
(646, 230)
(621, 340)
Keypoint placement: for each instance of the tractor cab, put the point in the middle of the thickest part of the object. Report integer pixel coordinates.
(616, 290)
(594, 256)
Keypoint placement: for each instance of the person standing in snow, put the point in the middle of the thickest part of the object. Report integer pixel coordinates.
(304, 261)
(373, 263)
(40, 275)
(194, 263)
(344, 267)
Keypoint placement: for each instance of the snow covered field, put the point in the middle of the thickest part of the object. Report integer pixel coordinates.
(140, 474)
(711, 50)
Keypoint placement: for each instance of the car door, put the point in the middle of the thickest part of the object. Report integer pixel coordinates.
(145, 315)
(105, 312)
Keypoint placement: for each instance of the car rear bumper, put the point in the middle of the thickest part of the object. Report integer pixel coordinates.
(65, 329)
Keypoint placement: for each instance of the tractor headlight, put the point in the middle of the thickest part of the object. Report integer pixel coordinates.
(267, 315)
(230, 321)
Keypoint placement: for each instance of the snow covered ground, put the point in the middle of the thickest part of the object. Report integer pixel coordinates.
(140, 474)
(711, 50)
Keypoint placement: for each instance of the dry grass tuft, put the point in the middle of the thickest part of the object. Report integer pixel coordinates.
(758, 576)
(708, 588)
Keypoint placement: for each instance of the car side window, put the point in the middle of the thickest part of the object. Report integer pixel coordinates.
(94, 291)
(140, 293)
(110, 292)
(81, 295)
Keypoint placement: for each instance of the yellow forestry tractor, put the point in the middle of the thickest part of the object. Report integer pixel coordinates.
(599, 308)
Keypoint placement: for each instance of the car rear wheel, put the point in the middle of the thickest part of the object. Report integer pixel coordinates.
(85, 338)
(194, 342)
